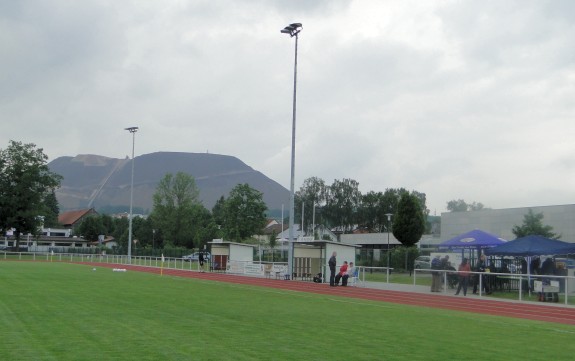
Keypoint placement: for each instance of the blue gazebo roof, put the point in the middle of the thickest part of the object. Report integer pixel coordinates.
(473, 239)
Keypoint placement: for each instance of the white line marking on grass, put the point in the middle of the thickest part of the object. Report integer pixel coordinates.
(519, 322)
(362, 303)
(562, 331)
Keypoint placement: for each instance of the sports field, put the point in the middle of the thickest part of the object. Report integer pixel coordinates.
(62, 311)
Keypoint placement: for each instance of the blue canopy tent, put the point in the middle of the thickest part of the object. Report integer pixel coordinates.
(472, 240)
(530, 246)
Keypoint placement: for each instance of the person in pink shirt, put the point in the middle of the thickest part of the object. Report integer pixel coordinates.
(463, 270)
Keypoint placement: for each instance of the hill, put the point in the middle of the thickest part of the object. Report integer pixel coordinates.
(102, 182)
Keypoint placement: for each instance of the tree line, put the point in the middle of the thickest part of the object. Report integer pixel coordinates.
(342, 206)
(178, 218)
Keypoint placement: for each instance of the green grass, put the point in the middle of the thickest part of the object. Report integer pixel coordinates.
(60, 311)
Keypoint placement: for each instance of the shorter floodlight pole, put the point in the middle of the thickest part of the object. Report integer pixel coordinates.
(132, 130)
(388, 226)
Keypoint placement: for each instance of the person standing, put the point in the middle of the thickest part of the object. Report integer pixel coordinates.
(201, 260)
(332, 262)
(463, 270)
(482, 267)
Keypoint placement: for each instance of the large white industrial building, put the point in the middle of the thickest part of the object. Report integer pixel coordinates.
(500, 222)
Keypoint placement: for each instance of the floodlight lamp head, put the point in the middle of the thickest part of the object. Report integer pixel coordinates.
(292, 29)
(132, 129)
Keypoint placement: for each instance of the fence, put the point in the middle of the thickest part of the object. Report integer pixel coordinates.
(563, 286)
(233, 267)
(509, 282)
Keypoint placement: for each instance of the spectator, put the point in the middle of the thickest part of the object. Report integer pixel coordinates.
(201, 260)
(332, 262)
(482, 267)
(548, 267)
(435, 274)
(348, 273)
(463, 271)
(342, 273)
(535, 263)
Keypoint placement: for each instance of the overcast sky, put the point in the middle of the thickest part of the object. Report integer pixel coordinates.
(470, 100)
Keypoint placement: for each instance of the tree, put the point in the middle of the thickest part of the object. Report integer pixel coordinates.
(343, 203)
(244, 213)
(457, 206)
(312, 193)
(475, 206)
(218, 211)
(173, 212)
(203, 225)
(375, 206)
(273, 242)
(370, 215)
(461, 206)
(409, 222)
(533, 225)
(92, 227)
(25, 182)
(51, 210)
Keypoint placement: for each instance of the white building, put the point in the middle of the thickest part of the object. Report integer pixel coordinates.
(500, 222)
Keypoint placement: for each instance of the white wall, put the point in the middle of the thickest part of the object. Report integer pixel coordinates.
(241, 252)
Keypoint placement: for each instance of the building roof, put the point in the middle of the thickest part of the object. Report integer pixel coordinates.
(69, 219)
(277, 228)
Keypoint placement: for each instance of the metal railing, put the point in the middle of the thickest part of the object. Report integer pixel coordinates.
(524, 282)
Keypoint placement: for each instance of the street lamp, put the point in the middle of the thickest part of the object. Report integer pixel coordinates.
(292, 30)
(388, 224)
(132, 130)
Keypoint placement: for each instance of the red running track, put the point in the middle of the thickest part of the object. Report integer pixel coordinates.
(547, 313)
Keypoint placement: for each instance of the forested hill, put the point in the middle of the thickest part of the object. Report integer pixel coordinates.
(102, 182)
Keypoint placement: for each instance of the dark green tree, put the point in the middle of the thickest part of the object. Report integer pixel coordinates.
(51, 210)
(371, 215)
(203, 226)
(533, 225)
(174, 202)
(312, 193)
(408, 221)
(218, 211)
(244, 213)
(343, 202)
(25, 182)
(92, 227)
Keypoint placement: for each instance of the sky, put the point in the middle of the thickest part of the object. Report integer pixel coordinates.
(471, 100)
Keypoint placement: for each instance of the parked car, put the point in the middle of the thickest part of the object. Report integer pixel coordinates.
(422, 262)
(195, 257)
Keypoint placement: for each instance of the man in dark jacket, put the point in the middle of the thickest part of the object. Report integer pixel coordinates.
(201, 260)
(436, 275)
(482, 267)
(332, 263)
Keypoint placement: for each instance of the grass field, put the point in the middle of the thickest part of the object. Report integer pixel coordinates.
(60, 311)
